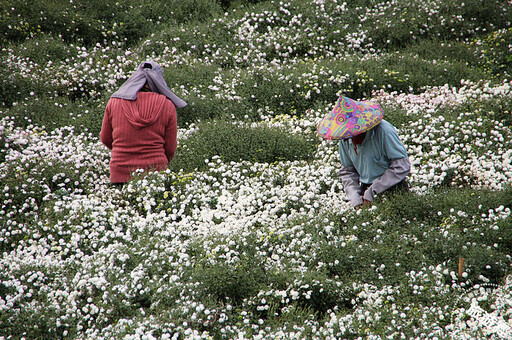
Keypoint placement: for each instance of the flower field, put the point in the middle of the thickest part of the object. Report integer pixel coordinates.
(249, 234)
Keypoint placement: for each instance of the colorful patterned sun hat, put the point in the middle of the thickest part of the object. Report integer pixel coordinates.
(349, 118)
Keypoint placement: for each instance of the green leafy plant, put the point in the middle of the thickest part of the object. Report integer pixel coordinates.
(234, 142)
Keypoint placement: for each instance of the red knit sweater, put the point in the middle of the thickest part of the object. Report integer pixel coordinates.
(141, 133)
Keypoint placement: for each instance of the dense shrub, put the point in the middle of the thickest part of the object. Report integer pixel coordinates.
(44, 49)
(98, 21)
(397, 24)
(494, 51)
(251, 94)
(438, 228)
(225, 279)
(57, 112)
(321, 68)
(233, 142)
(459, 226)
(20, 21)
(12, 89)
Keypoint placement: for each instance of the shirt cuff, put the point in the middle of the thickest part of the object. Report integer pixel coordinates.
(369, 194)
(355, 199)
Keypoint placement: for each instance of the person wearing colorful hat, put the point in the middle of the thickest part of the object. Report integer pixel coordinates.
(140, 124)
(373, 158)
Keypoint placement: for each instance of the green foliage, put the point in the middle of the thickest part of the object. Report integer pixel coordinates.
(417, 72)
(43, 49)
(396, 25)
(237, 143)
(200, 106)
(98, 21)
(293, 90)
(28, 189)
(20, 21)
(494, 50)
(277, 90)
(54, 113)
(226, 4)
(396, 116)
(198, 11)
(453, 223)
(34, 324)
(225, 279)
(423, 231)
(14, 29)
(196, 38)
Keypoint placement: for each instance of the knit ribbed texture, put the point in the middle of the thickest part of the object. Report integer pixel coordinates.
(141, 134)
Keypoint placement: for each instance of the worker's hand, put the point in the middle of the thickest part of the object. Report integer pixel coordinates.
(366, 203)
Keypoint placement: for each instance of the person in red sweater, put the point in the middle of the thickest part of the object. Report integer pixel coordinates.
(140, 124)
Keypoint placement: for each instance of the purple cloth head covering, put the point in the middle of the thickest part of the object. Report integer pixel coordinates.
(152, 73)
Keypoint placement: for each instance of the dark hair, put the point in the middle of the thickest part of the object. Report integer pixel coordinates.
(147, 65)
(145, 88)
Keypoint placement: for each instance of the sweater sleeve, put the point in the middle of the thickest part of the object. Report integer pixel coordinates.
(106, 128)
(171, 134)
(350, 180)
(397, 171)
